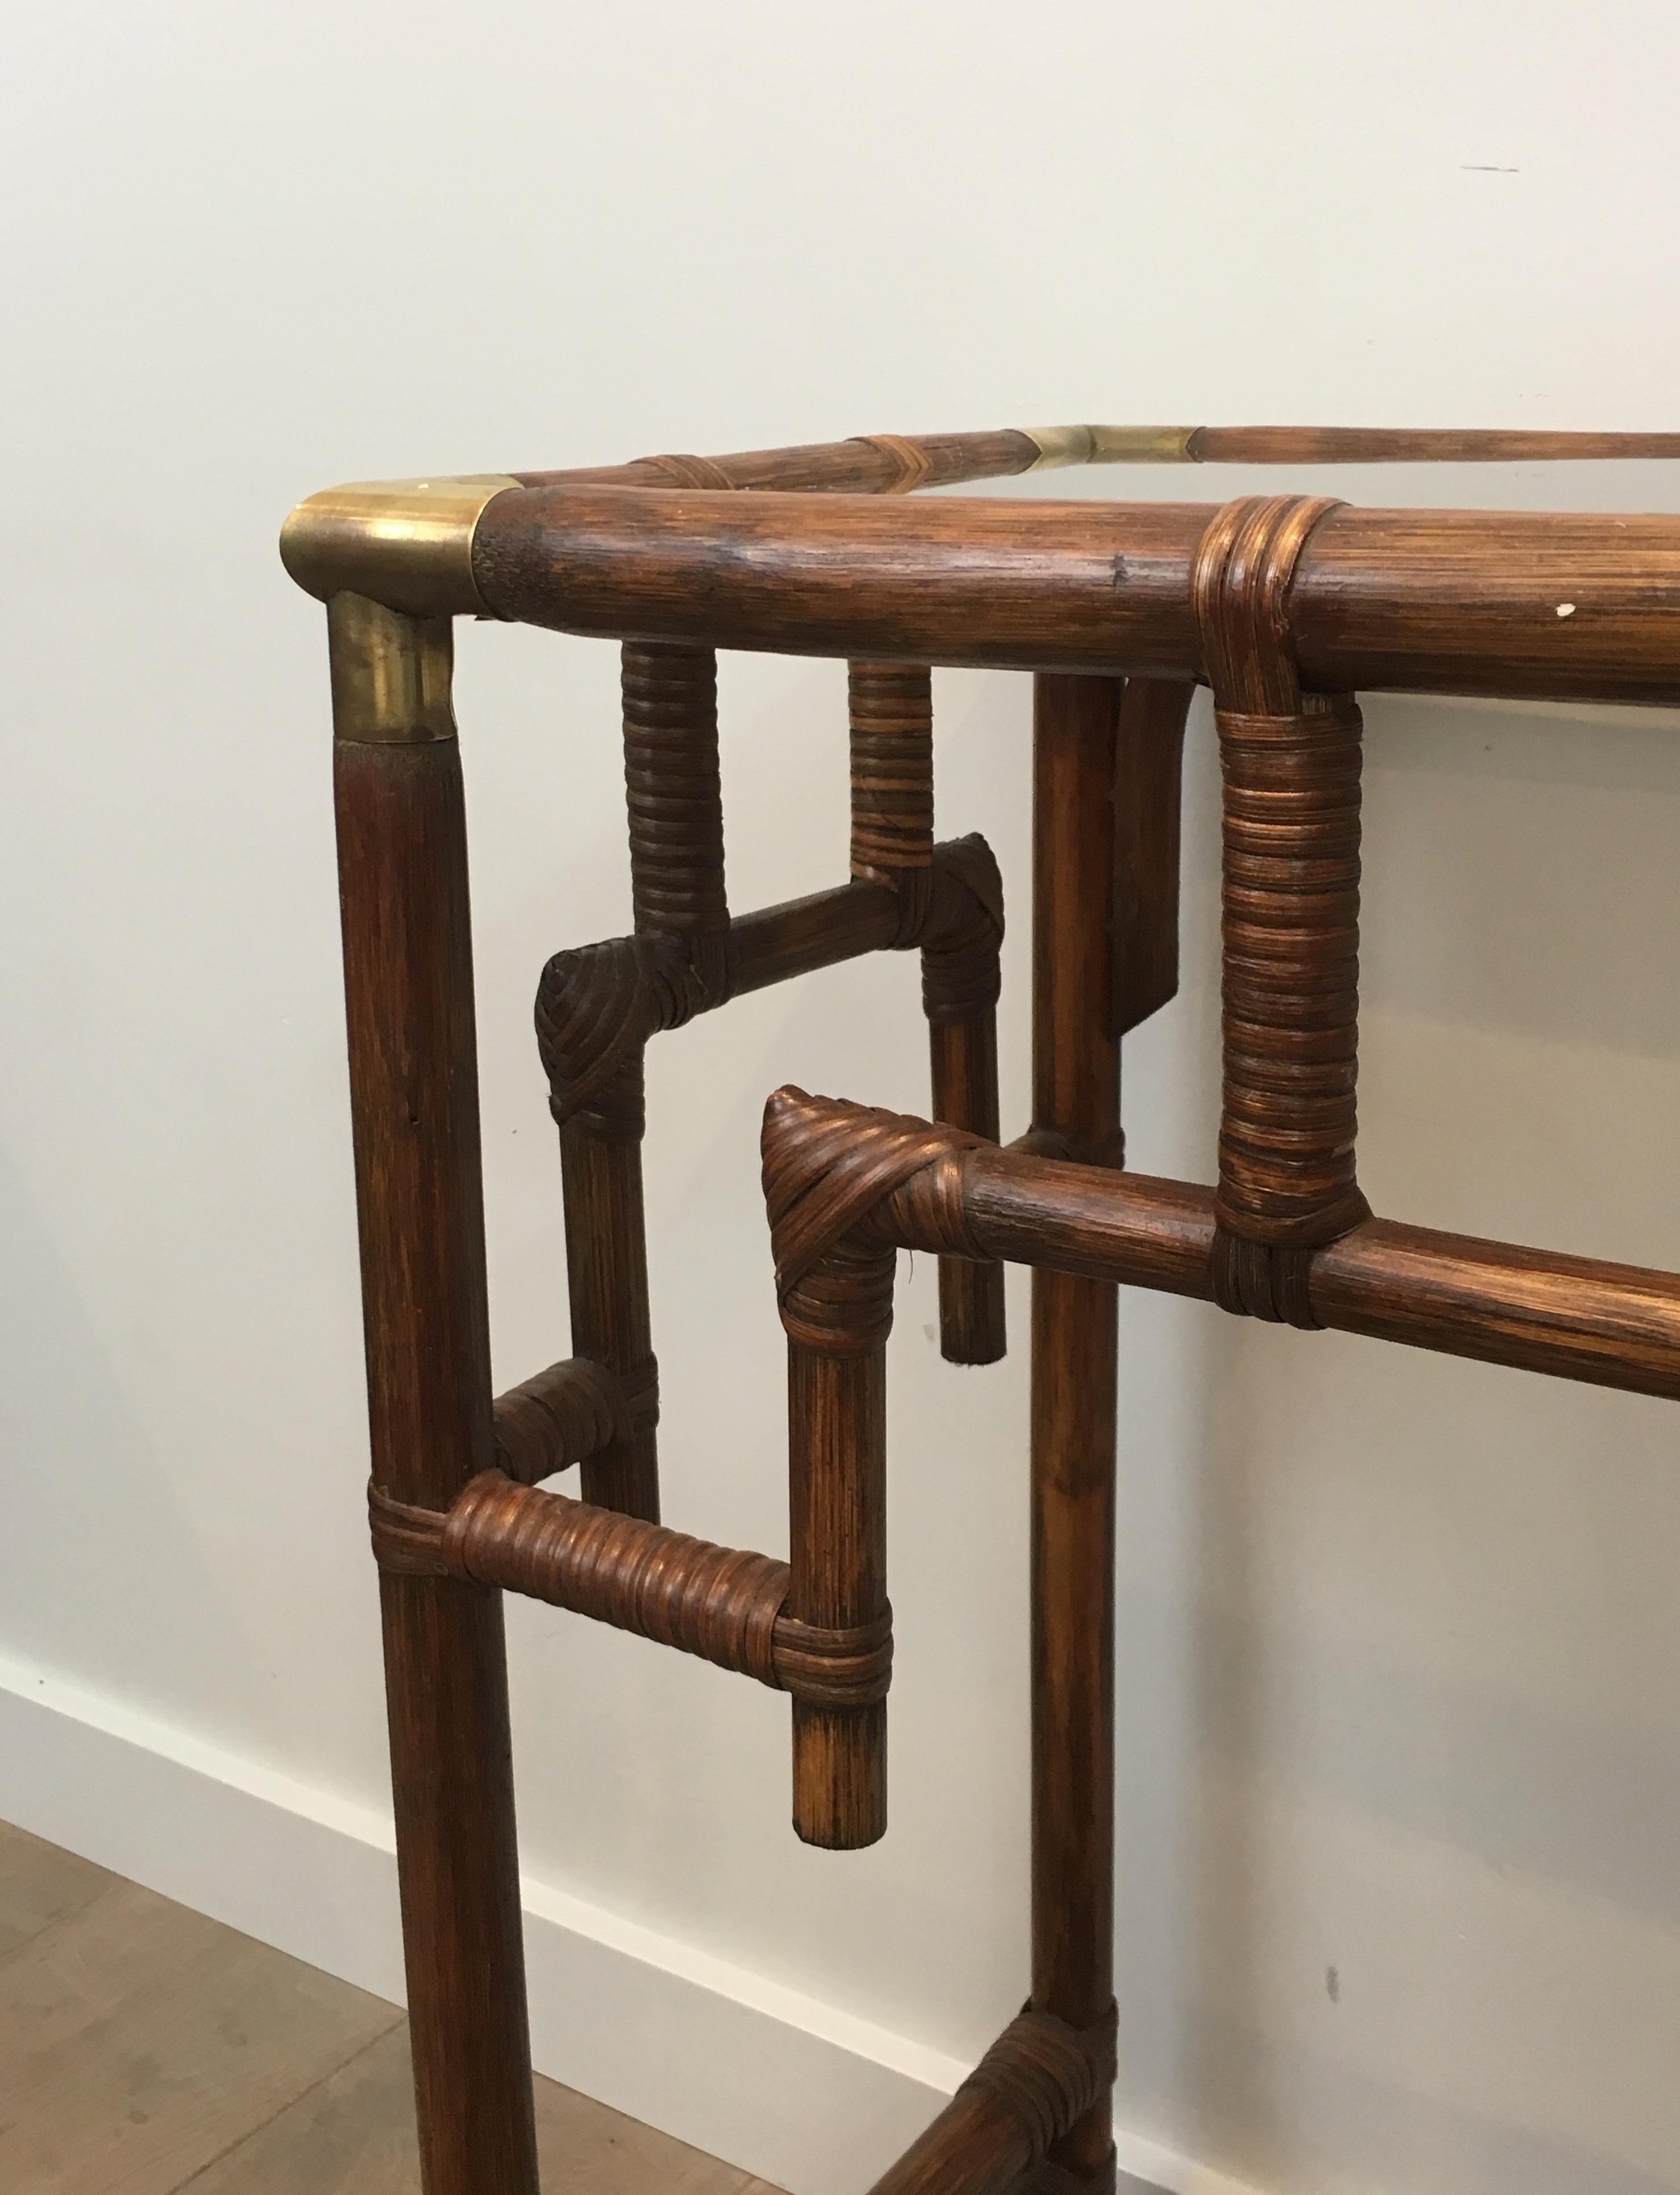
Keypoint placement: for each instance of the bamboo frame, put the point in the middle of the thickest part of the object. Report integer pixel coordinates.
(1286, 606)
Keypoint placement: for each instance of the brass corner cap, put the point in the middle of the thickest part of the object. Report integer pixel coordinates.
(406, 544)
(1110, 446)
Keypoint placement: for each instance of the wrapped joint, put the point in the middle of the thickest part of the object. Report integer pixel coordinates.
(835, 1667)
(961, 937)
(597, 1007)
(1036, 2081)
(408, 1540)
(911, 464)
(686, 470)
(829, 1167)
(842, 1305)
(1289, 762)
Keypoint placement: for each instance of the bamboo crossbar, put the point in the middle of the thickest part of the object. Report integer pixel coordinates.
(727, 1605)
(1578, 1318)
(565, 1414)
(821, 930)
(1286, 606)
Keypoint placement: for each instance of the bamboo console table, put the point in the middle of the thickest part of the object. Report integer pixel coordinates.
(1286, 606)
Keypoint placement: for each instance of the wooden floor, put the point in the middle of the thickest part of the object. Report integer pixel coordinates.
(145, 2049)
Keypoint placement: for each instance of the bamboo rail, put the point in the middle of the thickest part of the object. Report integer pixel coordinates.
(1286, 606)
(1585, 1319)
(1429, 602)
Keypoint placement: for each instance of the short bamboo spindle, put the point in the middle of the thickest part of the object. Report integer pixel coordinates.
(408, 981)
(677, 886)
(892, 754)
(1076, 1098)
(834, 1284)
(837, 1319)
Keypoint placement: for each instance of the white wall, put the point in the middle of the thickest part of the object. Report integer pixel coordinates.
(1400, 1658)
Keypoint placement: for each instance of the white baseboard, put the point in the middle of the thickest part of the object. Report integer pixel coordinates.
(779, 2083)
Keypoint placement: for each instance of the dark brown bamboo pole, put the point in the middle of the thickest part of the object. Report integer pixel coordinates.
(837, 1319)
(408, 984)
(1020, 584)
(1539, 1311)
(879, 464)
(890, 717)
(971, 1320)
(676, 882)
(1390, 446)
(606, 1280)
(821, 930)
(868, 465)
(837, 1487)
(1444, 601)
(1076, 1096)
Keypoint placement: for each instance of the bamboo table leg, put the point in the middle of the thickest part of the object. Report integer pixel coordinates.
(1075, 1098)
(414, 1094)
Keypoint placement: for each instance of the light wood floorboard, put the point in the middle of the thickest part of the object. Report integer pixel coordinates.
(39, 1883)
(145, 2050)
(354, 2135)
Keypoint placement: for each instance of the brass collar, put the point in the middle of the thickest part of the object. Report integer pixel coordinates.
(406, 544)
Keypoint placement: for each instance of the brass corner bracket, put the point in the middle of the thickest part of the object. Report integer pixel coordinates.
(407, 544)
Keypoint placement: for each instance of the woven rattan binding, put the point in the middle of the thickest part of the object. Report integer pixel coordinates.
(1291, 766)
(726, 1605)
